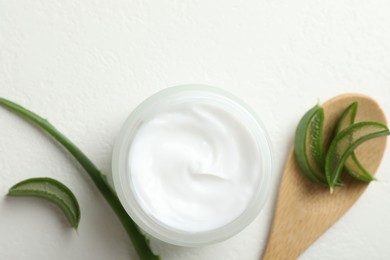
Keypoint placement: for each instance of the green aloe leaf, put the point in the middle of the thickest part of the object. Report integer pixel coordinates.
(308, 145)
(53, 191)
(138, 239)
(345, 143)
(352, 164)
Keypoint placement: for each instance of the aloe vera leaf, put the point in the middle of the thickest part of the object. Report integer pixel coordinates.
(308, 145)
(352, 164)
(345, 143)
(53, 191)
(138, 239)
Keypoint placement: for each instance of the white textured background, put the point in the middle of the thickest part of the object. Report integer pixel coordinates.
(86, 64)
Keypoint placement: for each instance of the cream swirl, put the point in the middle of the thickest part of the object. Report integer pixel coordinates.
(194, 166)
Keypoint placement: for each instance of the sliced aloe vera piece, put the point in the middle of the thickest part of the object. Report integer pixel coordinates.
(347, 118)
(53, 191)
(308, 146)
(345, 143)
(352, 164)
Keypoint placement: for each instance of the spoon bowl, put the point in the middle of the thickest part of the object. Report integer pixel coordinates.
(304, 209)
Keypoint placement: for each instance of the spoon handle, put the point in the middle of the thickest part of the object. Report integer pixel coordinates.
(291, 231)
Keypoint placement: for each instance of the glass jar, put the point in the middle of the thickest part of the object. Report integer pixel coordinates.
(121, 172)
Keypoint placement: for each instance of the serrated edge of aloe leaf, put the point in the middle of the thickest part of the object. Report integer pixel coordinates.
(72, 213)
(365, 176)
(319, 159)
(300, 145)
(350, 149)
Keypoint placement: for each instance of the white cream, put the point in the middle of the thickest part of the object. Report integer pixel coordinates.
(194, 166)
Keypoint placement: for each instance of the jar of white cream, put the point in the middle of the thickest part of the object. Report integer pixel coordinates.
(191, 165)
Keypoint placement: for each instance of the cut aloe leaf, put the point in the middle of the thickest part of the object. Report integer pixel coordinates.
(347, 118)
(308, 146)
(352, 164)
(345, 143)
(53, 191)
(139, 240)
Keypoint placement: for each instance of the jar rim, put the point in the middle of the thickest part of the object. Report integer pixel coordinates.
(152, 226)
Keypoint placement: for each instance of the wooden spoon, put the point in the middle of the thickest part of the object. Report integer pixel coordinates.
(305, 210)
